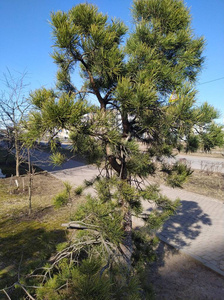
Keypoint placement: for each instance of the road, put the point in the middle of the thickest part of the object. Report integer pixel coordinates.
(203, 163)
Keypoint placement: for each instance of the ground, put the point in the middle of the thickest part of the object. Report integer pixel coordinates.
(206, 183)
(29, 239)
(177, 276)
(174, 275)
(200, 182)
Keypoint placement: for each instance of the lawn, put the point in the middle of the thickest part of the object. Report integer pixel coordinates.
(27, 241)
(210, 184)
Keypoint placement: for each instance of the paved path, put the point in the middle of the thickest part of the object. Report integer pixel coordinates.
(197, 229)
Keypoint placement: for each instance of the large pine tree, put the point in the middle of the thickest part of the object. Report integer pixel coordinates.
(132, 82)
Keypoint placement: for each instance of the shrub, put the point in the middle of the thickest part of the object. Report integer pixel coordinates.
(79, 190)
(61, 199)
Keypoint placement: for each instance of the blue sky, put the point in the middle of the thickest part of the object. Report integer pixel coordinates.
(26, 40)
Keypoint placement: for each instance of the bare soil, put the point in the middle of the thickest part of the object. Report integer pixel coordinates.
(219, 153)
(177, 276)
(205, 183)
(209, 184)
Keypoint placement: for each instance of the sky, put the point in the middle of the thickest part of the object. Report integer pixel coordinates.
(26, 41)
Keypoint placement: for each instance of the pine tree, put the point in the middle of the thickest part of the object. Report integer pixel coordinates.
(132, 85)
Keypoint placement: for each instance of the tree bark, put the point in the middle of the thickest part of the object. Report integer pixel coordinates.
(125, 124)
(30, 184)
(17, 155)
(127, 246)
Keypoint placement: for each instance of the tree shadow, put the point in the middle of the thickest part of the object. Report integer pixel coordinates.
(185, 225)
(176, 233)
(26, 250)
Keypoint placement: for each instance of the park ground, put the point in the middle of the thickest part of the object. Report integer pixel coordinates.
(28, 240)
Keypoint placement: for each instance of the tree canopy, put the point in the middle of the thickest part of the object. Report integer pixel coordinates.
(131, 78)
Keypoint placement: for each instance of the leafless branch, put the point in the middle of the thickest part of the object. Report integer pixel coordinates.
(7, 295)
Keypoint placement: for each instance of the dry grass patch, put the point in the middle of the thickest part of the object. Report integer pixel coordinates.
(208, 184)
(26, 239)
(200, 182)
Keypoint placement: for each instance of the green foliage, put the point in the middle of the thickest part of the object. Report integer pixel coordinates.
(140, 165)
(205, 113)
(132, 85)
(213, 136)
(68, 187)
(57, 159)
(85, 35)
(87, 146)
(78, 190)
(77, 282)
(177, 174)
(129, 194)
(192, 143)
(180, 147)
(105, 217)
(144, 245)
(85, 282)
(163, 209)
(163, 27)
(61, 199)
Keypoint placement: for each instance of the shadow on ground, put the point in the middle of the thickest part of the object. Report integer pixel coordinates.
(24, 251)
(185, 225)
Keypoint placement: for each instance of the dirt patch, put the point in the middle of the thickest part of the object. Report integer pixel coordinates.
(177, 276)
(208, 184)
(216, 153)
(42, 184)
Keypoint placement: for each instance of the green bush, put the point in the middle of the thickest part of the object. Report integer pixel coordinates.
(61, 199)
(79, 190)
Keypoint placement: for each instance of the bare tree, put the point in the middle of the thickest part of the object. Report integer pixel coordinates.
(13, 109)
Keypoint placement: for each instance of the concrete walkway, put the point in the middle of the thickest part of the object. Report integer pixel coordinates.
(197, 229)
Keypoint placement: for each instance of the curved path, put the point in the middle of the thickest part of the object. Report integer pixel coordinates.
(197, 229)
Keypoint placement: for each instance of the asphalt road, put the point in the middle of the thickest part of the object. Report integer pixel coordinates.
(42, 159)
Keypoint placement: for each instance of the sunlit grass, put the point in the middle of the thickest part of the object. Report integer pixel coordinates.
(28, 240)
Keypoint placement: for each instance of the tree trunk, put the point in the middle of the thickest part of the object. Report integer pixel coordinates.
(125, 124)
(30, 193)
(17, 161)
(127, 246)
(30, 183)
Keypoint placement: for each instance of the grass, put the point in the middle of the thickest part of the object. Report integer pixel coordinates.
(217, 152)
(206, 183)
(27, 241)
